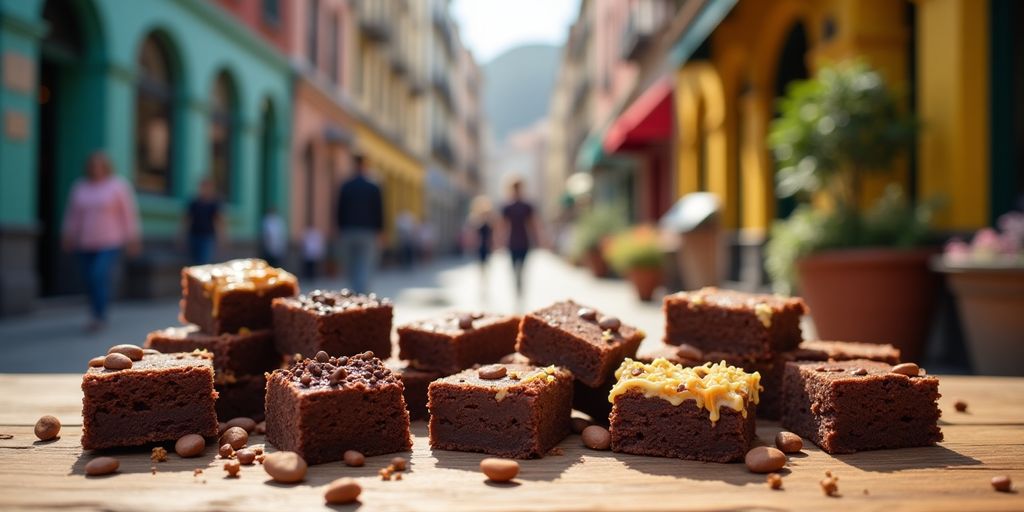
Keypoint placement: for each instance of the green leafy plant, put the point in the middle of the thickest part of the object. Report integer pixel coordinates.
(636, 248)
(594, 226)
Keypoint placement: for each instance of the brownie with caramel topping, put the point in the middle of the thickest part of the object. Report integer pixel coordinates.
(508, 410)
(227, 297)
(161, 397)
(738, 323)
(322, 406)
(337, 322)
(457, 341)
(579, 338)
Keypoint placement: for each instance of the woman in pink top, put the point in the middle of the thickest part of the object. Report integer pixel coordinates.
(101, 219)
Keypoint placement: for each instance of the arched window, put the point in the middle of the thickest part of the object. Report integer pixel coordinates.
(223, 127)
(155, 107)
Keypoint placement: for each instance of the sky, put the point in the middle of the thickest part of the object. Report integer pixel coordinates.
(489, 27)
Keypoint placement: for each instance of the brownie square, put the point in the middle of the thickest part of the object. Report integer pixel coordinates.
(739, 323)
(160, 398)
(240, 395)
(226, 297)
(415, 382)
(850, 406)
(570, 335)
(508, 410)
(457, 341)
(323, 406)
(341, 323)
(245, 353)
(701, 413)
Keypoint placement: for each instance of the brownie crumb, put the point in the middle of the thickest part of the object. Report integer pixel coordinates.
(960, 406)
(159, 454)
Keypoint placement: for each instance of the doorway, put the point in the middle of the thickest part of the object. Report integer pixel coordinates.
(792, 66)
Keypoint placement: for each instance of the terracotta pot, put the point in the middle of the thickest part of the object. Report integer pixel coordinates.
(991, 306)
(871, 295)
(645, 280)
(597, 264)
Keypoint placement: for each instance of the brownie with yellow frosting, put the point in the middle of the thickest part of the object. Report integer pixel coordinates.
(704, 413)
(227, 297)
(733, 322)
(509, 410)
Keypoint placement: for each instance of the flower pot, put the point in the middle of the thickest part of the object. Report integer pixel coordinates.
(645, 280)
(871, 295)
(991, 306)
(597, 264)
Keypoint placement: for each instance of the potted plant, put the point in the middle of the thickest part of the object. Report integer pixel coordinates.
(986, 277)
(637, 254)
(864, 274)
(591, 231)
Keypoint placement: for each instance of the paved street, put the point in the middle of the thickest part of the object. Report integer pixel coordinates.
(52, 340)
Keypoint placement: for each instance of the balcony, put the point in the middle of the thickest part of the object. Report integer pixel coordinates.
(444, 89)
(439, 17)
(373, 20)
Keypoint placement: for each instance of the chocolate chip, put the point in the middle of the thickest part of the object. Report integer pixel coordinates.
(860, 372)
(960, 406)
(47, 427)
(306, 380)
(465, 322)
(596, 437)
(245, 456)
(190, 445)
(342, 491)
(908, 369)
(232, 467)
(609, 323)
(322, 356)
(492, 372)
(636, 372)
(285, 467)
(1002, 483)
(248, 424)
(132, 352)
(499, 470)
(774, 481)
(819, 368)
(226, 451)
(338, 375)
(96, 362)
(587, 314)
(117, 361)
(237, 437)
(399, 463)
(788, 442)
(354, 459)
(689, 353)
(102, 466)
(764, 459)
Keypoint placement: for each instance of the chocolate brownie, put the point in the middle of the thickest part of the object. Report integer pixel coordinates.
(161, 397)
(850, 406)
(415, 382)
(579, 338)
(320, 407)
(744, 324)
(508, 410)
(819, 350)
(341, 323)
(457, 341)
(226, 297)
(240, 395)
(245, 353)
(666, 410)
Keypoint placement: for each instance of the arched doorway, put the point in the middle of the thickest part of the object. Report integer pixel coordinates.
(792, 65)
(224, 121)
(267, 164)
(70, 126)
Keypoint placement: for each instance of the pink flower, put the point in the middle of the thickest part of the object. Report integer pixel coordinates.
(957, 251)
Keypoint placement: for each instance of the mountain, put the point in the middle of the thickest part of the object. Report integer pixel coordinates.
(518, 86)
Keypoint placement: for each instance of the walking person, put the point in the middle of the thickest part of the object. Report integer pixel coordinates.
(481, 229)
(204, 223)
(313, 251)
(360, 224)
(100, 221)
(274, 238)
(520, 230)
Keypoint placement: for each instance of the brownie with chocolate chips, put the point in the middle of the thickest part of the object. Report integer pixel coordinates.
(457, 341)
(579, 338)
(227, 297)
(337, 322)
(321, 407)
(508, 410)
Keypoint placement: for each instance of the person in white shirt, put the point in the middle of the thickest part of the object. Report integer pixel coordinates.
(274, 239)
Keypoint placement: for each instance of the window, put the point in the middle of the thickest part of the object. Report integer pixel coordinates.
(223, 124)
(312, 34)
(333, 51)
(154, 118)
(272, 12)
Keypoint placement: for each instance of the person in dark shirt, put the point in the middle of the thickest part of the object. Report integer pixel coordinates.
(520, 228)
(360, 224)
(204, 224)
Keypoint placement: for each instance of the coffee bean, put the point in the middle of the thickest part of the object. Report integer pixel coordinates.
(117, 361)
(774, 481)
(190, 445)
(499, 470)
(960, 406)
(48, 427)
(829, 485)
(689, 353)
(226, 451)
(96, 362)
(587, 314)
(1002, 483)
(221, 428)
(245, 456)
(338, 375)
(237, 437)
(232, 467)
(285, 467)
(765, 459)
(399, 463)
(354, 459)
(102, 466)
(465, 322)
(579, 424)
(596, 437)
(261, 428)
(492, 372)
(342, 491)
(322, 356)
(860, 372)
(908, 369)
(788, 442)
(132, 352)
(609, 323)
(248, 424)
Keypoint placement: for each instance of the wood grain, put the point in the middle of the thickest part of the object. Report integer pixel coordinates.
(986, 441)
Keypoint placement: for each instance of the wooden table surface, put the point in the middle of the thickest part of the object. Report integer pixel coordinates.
(986, 441)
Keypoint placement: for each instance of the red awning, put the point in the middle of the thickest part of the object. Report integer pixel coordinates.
(647, 120)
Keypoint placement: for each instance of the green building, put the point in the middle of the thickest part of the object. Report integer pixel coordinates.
(171, 90)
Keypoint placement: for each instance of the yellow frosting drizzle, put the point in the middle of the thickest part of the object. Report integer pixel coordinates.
(712, 386)
(244, 274)
(764, 314)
